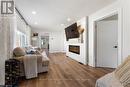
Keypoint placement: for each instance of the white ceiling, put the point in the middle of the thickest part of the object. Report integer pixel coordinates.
(52, 13)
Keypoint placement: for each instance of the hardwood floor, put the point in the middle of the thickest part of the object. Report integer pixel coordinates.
(65, 72)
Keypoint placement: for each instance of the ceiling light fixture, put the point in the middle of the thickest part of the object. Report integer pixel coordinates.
(34, 12)
(62, 24)
(68, 19)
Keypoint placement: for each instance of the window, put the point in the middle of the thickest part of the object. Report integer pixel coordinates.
(21, 39)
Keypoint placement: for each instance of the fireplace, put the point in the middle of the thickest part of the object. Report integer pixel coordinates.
(74, 49)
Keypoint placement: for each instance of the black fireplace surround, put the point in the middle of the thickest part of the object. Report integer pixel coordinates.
(74, 49)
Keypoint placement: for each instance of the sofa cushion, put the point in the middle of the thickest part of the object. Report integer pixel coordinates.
(108, 80)
(18, 52)
(123, 72)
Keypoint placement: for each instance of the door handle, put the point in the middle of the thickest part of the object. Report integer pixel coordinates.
(115, 46)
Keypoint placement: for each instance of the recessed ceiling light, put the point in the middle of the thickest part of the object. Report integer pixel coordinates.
(34, 12)
(68, 19)
(62, 24)
(35, 23)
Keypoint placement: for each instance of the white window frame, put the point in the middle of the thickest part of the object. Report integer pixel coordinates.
(22, 39)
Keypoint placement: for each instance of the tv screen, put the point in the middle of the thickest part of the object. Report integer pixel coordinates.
(72, 31)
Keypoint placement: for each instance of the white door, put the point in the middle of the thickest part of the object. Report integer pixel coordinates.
(107, 46)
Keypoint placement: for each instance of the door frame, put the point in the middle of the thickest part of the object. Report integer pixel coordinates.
(120, 35)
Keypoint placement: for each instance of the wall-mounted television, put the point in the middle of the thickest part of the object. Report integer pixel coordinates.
(72, 31)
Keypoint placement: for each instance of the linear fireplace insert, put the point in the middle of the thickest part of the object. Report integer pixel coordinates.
(74, 49)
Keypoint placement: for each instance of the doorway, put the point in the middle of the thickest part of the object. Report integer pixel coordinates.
(106, 31)
(45, 42)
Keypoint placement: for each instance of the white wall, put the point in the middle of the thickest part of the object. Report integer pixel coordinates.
(123, 6)
(7, 32)
(83, 46)
(56, 41)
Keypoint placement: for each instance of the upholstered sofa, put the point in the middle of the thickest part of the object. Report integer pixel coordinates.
(119, 78)
(42, 60)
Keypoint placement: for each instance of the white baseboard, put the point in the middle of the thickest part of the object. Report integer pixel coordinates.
(57, 51)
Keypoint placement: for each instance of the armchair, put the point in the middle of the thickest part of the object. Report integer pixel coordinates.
(119, 78)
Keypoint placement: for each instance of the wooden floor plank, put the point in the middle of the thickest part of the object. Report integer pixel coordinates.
(65, 72)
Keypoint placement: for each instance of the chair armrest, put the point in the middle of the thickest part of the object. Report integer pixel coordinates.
(19, 58)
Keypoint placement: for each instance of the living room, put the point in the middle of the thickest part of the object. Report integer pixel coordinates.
(65, 43)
